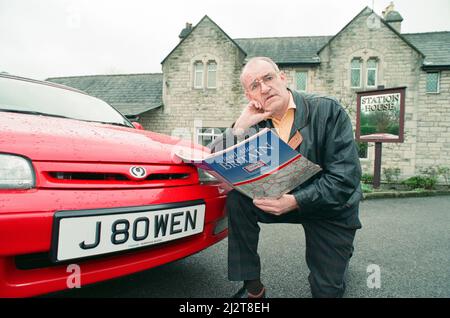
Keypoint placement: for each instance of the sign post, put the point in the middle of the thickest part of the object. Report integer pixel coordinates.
(377, 166)
(380, 117)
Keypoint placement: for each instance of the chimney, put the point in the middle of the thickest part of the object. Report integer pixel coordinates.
(392, 17)
(185, 32)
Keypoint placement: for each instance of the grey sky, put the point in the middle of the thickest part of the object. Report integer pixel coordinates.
(49, 38)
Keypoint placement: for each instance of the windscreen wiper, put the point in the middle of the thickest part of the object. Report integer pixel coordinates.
(32, 112)
(111, 123)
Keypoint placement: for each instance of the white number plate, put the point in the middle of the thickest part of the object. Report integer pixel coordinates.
(79, 234)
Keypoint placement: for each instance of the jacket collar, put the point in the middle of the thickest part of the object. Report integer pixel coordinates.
(301, 116)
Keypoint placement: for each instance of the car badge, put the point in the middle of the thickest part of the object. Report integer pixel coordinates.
(138, 172)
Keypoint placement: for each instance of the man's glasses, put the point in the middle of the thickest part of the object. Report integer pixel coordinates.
(256, 84)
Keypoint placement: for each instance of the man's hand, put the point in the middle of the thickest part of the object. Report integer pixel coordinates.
(284, 204)
(252, 114)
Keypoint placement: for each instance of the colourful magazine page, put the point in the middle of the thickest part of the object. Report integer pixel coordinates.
(262, 165)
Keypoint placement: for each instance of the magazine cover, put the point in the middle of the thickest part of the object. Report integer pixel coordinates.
(262, 165)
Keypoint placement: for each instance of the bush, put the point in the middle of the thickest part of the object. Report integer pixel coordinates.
(391, 174)
(366, 188)
(430, 172)
(444, 172)
(362, 149)
(367, 178)
(418, 182)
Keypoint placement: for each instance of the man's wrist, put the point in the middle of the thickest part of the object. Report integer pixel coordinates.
(298, 198)
(237, 131)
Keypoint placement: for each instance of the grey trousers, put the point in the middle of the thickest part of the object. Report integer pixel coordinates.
(329, 245)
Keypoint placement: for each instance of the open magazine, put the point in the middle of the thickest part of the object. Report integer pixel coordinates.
(262, 165)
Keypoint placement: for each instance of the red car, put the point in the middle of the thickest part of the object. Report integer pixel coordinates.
(80, 184)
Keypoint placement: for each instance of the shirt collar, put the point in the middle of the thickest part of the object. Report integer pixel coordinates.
(290, 106)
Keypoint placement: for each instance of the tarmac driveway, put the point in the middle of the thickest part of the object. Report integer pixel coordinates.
(407, 240)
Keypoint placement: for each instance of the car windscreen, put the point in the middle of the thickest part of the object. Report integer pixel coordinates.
(26, 96)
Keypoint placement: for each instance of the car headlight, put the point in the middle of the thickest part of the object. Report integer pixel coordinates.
(204, 176)
(16, 172)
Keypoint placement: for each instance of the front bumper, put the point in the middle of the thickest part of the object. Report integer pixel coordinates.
(26, 222)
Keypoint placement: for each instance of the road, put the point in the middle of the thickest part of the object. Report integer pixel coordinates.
(407, 239)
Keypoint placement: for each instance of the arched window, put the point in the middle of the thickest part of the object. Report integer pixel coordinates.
(356, 72)
(212, 74)
(198, 74)
(372, 70)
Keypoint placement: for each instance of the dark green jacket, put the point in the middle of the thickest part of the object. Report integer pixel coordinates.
(328, 140)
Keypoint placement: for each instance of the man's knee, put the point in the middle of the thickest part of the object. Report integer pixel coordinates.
(329, 281)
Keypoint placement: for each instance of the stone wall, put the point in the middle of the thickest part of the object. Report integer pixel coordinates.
(433, 124)
(427, 123)
(185, 106)
(398, 65)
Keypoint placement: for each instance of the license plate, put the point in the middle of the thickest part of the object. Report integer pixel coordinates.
(86, 233)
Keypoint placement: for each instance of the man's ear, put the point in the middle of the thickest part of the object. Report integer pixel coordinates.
(283, 76)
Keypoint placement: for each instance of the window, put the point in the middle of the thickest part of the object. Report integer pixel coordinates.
(356, 72)
(433, 82)
(301, 79)
(207, 135)
(198, 74)
(212, 70)
(364, 73)
(205, 74)
(372, 65)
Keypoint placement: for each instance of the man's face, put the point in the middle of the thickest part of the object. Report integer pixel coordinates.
(263, 84)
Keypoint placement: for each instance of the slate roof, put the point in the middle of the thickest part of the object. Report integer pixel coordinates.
(303, 50)
(285, 50)
(134, 94)
(434, 45)
(131, 94)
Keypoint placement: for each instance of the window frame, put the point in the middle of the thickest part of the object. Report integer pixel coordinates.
(306, 80)
(360, 60)
(200, 71)
(211, 133)
(374, 69)
(438, 82)
(208, 72)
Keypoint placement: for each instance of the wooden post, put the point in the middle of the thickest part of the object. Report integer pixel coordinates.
(377, 167)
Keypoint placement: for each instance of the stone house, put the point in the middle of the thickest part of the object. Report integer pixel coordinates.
(199, 94)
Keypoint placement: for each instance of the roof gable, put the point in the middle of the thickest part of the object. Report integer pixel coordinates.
(193, 30)
(367, 10)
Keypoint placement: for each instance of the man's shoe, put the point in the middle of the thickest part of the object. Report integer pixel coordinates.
(243, 293)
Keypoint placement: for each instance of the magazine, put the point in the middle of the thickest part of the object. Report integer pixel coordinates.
(263, 165)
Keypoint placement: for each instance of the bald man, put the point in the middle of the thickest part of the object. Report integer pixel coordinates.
(327, 205)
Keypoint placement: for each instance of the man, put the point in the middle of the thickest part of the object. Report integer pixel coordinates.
(327, 205)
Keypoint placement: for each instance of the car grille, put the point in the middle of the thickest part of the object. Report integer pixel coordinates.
(110, 175)
(113, 176)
